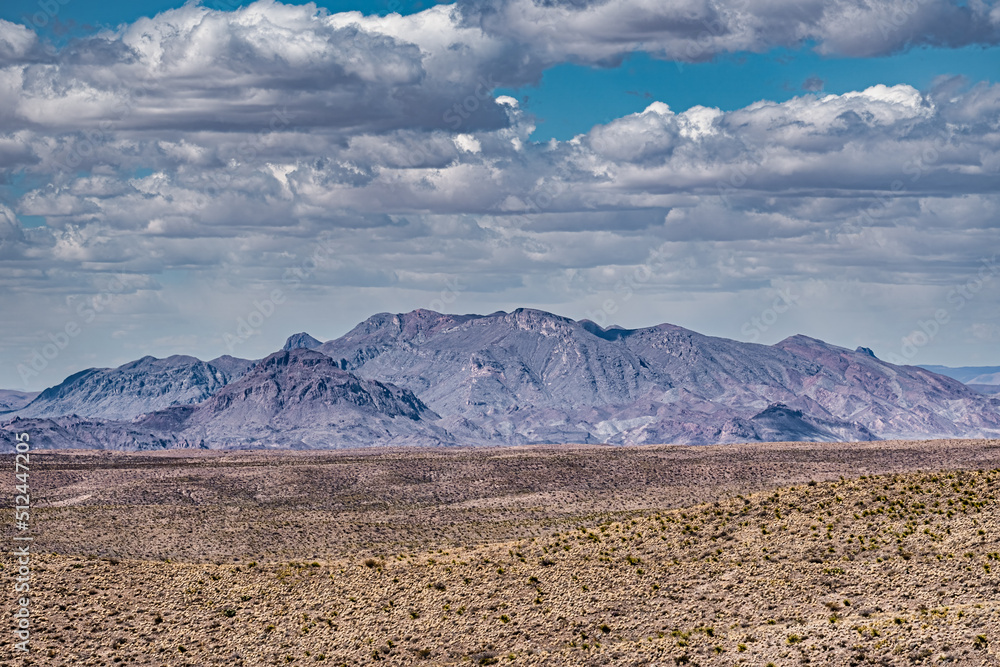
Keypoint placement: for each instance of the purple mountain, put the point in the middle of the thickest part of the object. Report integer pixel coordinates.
(530, 376)
(523, 377)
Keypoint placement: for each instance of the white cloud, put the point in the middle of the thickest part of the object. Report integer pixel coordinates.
(467, 143)
(215, 151)
(890, 143)
(698, 30)
(16, 41)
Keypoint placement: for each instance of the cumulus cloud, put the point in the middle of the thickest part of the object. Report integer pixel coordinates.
(11, 235)
(696, 30)
(227, 149)
(815, 165)
(195, 69)
(16, 42)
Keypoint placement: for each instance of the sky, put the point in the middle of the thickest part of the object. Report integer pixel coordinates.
(209, 178)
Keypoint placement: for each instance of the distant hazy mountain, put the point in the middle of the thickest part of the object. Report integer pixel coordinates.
(135, 388)
(969, 374)
(533, 377)
(986, 378)
(11, 399)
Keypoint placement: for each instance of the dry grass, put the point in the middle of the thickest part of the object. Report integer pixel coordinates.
(554, 556)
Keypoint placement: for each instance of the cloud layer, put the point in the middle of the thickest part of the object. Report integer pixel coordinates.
(217, 153)
(695, 30)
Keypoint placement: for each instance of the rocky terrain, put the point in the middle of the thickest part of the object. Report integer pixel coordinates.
(783, 553)
(525, 377)
(294, 396)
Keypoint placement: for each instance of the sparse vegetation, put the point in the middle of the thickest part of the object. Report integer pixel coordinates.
(879, 566)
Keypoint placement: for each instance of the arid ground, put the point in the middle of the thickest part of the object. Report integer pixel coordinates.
(880, 553)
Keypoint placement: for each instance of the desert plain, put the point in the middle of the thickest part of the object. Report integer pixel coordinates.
(875, 553)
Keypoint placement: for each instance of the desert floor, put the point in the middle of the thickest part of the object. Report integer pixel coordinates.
(783, 553)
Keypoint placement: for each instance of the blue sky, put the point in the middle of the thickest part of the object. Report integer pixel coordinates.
(184, 167)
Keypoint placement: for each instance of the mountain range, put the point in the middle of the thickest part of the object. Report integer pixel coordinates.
(528, 376)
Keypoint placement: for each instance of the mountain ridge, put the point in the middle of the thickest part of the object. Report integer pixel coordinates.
(523, 377)
(137, 387)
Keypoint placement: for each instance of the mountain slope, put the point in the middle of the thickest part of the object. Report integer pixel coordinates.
(892, 401)
(231, 367)
(135, 388)
(301, 398)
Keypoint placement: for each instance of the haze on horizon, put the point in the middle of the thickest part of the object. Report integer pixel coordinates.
(746, 170)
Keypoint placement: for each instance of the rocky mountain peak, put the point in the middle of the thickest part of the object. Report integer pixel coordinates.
(301, 341)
